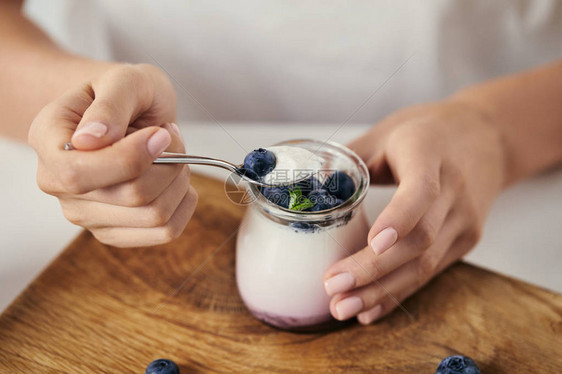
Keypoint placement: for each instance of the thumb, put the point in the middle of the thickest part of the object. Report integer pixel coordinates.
(118, 98)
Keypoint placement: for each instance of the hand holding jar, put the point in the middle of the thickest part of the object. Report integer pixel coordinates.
(448, 162)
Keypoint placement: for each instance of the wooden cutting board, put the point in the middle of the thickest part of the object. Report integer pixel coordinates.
(98, 309)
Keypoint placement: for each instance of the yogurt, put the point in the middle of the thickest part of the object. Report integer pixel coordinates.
(279, 269)
(282, 254)
(292, 164)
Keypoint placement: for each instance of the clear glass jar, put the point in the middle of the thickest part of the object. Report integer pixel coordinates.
(282, 255)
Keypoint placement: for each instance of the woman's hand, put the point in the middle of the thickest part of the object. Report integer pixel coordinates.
(448, 161)
(118, 124)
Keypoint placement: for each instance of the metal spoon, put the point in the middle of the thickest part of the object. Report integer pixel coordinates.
(180, 158)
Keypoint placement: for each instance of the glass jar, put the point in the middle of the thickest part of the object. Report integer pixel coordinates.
(282, 254)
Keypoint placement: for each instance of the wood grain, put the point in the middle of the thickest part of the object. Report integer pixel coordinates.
(98, 309)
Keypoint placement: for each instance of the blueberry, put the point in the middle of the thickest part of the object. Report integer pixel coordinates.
(277, 195)
(340, 185)
(322, 200)
(457, 365)
(258, 163)
(162, 366)
(308, 185)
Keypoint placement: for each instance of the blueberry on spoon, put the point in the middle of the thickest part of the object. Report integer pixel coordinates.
(259, 163)
(162, 366)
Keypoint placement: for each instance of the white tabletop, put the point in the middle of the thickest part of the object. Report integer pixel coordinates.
(522, 238)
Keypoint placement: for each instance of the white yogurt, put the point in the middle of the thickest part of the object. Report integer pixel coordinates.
(292, 164)
(280, 269)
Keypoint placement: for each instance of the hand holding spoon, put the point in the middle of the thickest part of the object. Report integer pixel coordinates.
(258, 161)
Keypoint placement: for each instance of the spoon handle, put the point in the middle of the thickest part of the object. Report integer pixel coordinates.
(180, 158)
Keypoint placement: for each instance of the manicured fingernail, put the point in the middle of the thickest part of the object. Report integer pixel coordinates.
(370, 315)
(158, 142)
(95, 129)
(339, 283)
(176, 130)
(384, 240)
(348, 307)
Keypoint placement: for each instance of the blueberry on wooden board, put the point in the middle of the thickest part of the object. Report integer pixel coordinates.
(457, 365)
(162, 366)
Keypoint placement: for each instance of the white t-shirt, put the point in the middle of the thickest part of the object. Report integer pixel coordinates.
(310, 61)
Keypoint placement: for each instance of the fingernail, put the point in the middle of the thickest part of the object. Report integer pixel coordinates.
(370, 315)
(95, 129)
(176, 130)
(348, 307)
(384, 240)
(339, 283)
(158, 142)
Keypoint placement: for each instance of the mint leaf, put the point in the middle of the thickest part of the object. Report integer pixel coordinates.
(295, 194)
(297, 201)
(306, 203)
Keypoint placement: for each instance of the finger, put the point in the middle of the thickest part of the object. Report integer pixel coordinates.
(370, 148)
(461, 246)
(368, 144)
(348, 305)
(387, 305)
(364, 266)
(144, 189)
(56, 122)
(79, 172)
(429, 266)
(393, 288)
(122, 190)
(85, 171)
(456, 250)
(138, 192)
(419, 187)
(93, 214)
(174, 129)
(137, 237)
(118, 98)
